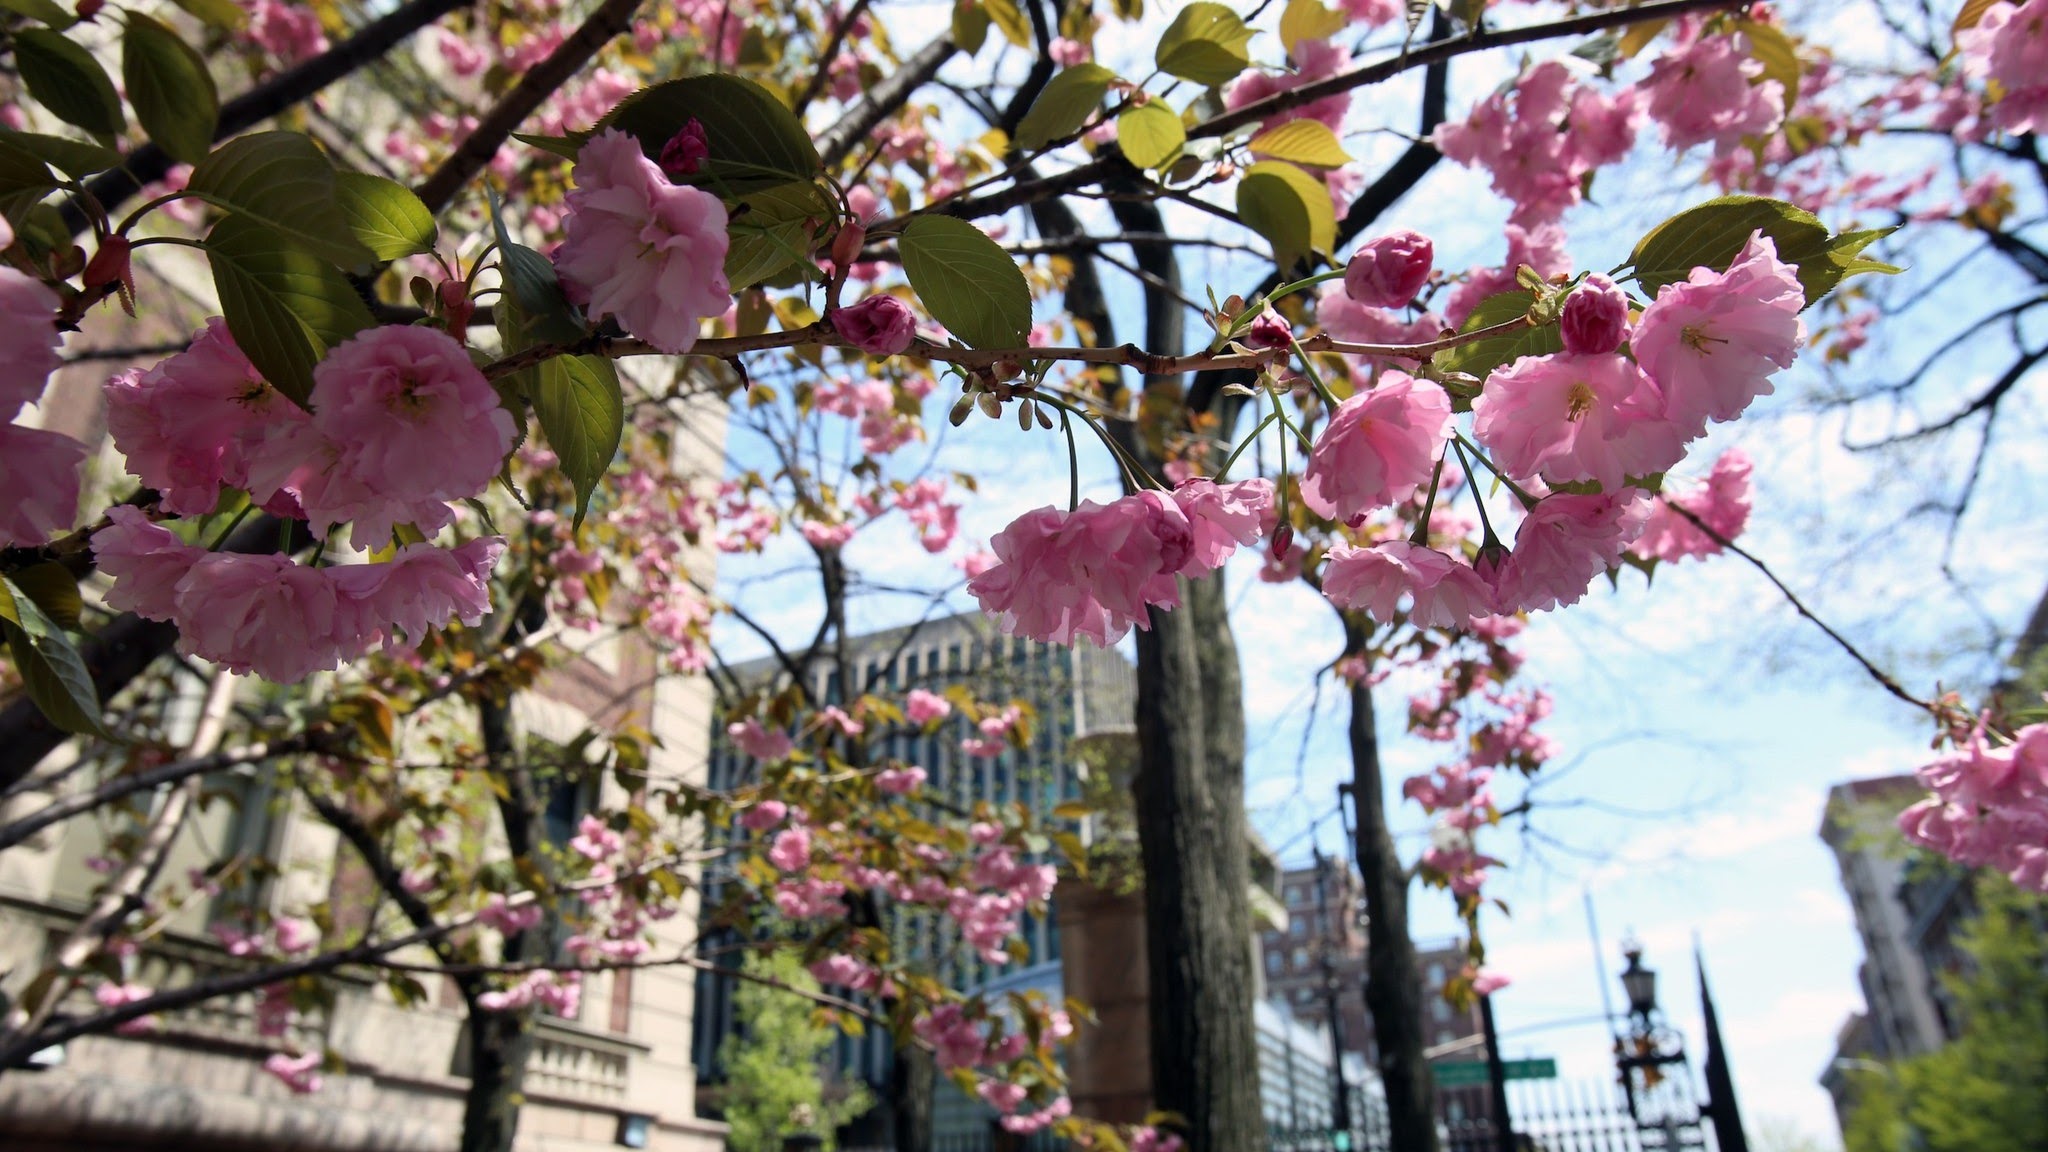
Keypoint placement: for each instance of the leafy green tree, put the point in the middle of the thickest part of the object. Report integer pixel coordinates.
(1987, 1091)
(773, 1087)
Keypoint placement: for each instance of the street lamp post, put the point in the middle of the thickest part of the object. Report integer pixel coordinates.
(1646, 1053)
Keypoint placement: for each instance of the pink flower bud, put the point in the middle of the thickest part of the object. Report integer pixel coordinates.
(1268, 331)
(456, 307)
(685, 151)
(1389, 271)
(880, 325)
(846, 246)
(1595, 317)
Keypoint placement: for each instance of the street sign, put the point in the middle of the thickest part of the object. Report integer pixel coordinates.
(1463, 1073)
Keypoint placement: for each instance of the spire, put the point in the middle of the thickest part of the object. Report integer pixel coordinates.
(1721, 1106)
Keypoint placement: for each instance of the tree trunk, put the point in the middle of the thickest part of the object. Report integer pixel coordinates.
(911, 1082)
(1191, 832)
(1393, 979)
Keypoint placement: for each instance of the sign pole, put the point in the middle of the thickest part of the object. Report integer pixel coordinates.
(1497, 1078)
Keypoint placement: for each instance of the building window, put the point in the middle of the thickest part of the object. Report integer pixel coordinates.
(1300, 958)
(1272, 963)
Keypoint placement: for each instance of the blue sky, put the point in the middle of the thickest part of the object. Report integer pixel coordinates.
(1701, 722)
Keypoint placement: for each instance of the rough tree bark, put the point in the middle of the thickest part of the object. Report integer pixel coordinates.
(1393, 978)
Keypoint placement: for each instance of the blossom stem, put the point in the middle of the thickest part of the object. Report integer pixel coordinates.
(1527, 500)
(229, 530)
(1133, 473)
(1485, 524)
(1286, 290)
(1420, 537)
(1315, 381)
(1073, 462)
(1247, 442)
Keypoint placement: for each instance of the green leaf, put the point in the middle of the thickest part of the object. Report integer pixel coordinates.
(1712, 234)
(583, 415)
(50, 667)
(225, 14)
(1302, 142)
(66, 79)
(534, 298)
(54, 590)
(1290, 208)
(1011, 20)
(1151, 135)
(169, 88)
(564, 146)
(47, 11)
(1063, 105)
(966, 281)
(755, 139)
(385, 215)
(76, 158)
(283, 180)
(1770, 47)
(22, 171)
(1205, 44)
(1483, 356)
(286, 306)
(759, 250)
(1308, 20)
(970, 27)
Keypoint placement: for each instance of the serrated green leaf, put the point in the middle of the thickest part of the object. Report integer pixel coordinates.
(1290, 208)
(1308, 20)
(1302, 142)
(564, 146)
(970, 27)
(284, 181)
(170, 89)
(583, 415)
(65, 78)
(75, 158)
(966, 281)
(1151, 135)
(1010, 19)
(286, 306)
(50, 668)
(1483, 356)
(757, 252)
(1712, 234)
(1205, 44)
(1063, 105)
(385, 215)
(23, 172)
(224, 14)
(47, 11)
(755, 140)
(54, 590)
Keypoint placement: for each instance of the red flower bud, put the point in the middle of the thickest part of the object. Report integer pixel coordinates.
(1268, 331)
(110, 267)
(847, 245)
(1387, 272)
(686, 151)
(456, 307)
(1595, 317)
(880, 325)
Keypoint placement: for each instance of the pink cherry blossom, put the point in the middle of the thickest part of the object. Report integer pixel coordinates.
(641, 249)
(1540, 248)
(117, 995)
(197, 421)
(1150, 1139)
(1387, 271)
(1563, 543)
(28, 338)
(791, 850)
(1722, 504)
(900, 781)
(1093, 572)
(763, 816)
(1541, 138)
(758, 742)
(2009, 45)
(842, 971)
(1595, 317)
(1002, 1097)
(1989, 805)
(420, 589)
(145, 560)
(1708, 92)
(262, 614)
(881, 325)
(1485, 982)
(1314, 60)
(924, 708)
(1223, 517)
(1379, 448)
(1444, 593)
(1567, 417)
(298, 1073)
(39, 475)
(1712, 342)
(288, 32)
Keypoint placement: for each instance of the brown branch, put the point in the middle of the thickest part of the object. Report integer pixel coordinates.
(1883, 678)
(829, 53)
(882, 101)
(162, 774)
(612, 18)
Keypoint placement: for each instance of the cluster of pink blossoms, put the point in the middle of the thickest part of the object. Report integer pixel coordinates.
(1704, 349)
(401, 423)
(2009, 48)
(1541, 138)
(661, 517)
(38, 468)
(1096, 571)
(1989, 806)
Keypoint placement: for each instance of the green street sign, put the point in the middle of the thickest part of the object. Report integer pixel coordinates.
(1463, 1073)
